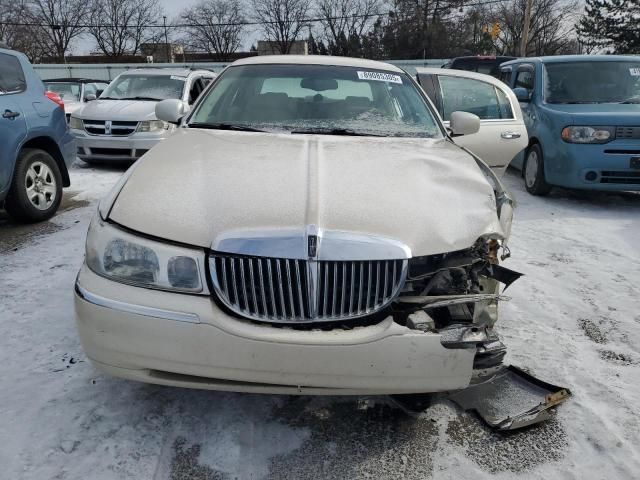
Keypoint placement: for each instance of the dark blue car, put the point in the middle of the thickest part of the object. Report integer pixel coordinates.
(36, 147)
(583, 118)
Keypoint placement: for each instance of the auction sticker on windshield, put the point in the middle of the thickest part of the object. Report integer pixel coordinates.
(633, 71)
(380, 77)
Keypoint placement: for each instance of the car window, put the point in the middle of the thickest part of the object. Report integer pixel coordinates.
(313, 97)
(68, 91)
(151, 87)
(524, 79)
(11, 75)
(473, 96)
(90, 89)
(505, 76)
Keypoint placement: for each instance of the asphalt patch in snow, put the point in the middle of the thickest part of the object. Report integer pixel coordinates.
(186, 465)
(516, 451)
(592, 330)
(344, 442)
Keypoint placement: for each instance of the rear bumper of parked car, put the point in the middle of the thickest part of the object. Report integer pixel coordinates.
(115, 149)
(187, 340)
(594, 167)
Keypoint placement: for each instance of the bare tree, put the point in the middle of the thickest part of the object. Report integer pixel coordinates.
(120, 26)
(345, 22)
(550, 29)
(18, 36)
(215, 26)
(282, 21)
(61, 21)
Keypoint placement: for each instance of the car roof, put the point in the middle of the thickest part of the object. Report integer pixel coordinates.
(459, 73)
(573, 58)
(74, 80)
(178, 72)
(317, 60)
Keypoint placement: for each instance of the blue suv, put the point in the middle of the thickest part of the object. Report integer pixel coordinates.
(36, 147)
(582, 114)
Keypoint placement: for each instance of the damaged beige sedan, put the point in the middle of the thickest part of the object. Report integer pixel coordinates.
(312, 228)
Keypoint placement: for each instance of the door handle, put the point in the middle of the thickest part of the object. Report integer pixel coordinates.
(510, 135)
(10, 115)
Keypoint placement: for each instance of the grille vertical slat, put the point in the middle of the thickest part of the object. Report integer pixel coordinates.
(290, 289)
(263, 292)
(300, 296)
(282, 290)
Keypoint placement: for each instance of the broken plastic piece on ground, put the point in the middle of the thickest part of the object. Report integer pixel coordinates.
(511, 399)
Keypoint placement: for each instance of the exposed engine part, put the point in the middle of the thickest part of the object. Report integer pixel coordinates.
(421, 320)
(456, 287)
(489, 355)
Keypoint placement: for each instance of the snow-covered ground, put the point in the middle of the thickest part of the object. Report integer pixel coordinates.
(574, 321)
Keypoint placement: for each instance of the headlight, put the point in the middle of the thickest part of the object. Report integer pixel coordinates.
(123, 257)
(576, 134)
(76, 123)
(152, 126)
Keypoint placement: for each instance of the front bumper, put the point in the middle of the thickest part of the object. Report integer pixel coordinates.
(186, 340)
(113, 148)
(594, 167)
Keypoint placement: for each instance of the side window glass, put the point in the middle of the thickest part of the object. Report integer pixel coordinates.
(524, 79)
(11, 75)
(504, 104)
(89, 89)
(196, 89)
(468, 95)
(505, 76)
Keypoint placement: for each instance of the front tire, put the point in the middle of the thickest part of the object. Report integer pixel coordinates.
(533, 172)
(36, 191)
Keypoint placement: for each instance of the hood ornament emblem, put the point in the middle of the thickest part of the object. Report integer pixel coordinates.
(312, 246)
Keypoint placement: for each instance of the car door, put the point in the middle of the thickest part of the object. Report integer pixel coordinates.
(13, 126)
(502, 133)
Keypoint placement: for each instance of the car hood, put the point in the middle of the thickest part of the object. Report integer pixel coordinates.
(134, 110)
(600, 113)
(199, 185)
(72, 107)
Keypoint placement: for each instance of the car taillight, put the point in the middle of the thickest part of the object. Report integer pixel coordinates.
(55, 98)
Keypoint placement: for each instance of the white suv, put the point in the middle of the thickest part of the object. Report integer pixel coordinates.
(121, 125)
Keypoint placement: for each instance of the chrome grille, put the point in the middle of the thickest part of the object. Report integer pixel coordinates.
(110, 128)
(285, 290)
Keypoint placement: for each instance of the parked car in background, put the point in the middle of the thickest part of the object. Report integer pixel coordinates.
(502, 134)
(487, 64)
(36, 147)
(324, 194)
(121, 125)
(583, 118)
(75, 92)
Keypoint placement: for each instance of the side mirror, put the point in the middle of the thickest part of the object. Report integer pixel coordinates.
(464, 123)
(522, 94)
(171, 110)
(90, 97)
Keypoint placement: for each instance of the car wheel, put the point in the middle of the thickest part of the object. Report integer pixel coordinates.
(36, 190)
(533, 172)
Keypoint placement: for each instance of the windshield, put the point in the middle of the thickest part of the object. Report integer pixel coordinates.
(592, 82)
(316, 99)
(144, 87)
(69, 92)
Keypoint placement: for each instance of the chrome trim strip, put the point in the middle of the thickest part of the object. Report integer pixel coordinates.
(293, 244)
(136, 309)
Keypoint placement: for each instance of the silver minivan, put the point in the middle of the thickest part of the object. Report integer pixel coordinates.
(121, 124)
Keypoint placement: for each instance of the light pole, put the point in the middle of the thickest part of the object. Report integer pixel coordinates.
(525, 29)
(166, 38)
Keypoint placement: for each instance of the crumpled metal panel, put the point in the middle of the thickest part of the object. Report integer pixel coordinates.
(511, 399)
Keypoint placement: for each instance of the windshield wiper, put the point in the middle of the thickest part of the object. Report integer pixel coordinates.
(224, 126)
(334, 131)
(109, 98)
(153, 99)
